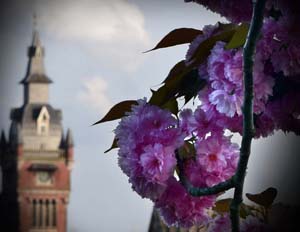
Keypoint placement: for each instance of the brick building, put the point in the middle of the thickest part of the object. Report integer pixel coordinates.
(36, 159)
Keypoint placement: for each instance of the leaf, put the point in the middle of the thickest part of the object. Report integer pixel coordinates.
(223, 206)
(117, 111)
(239, 37)
(190, 86)
(187, 151)
(178, 68)
(172, 106)
(204, 49)
(265, 198)
(177, 37)
(113, 145)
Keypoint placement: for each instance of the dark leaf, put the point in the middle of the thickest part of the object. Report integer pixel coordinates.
(190, 86)
(117, 111)
(176, 37)
(265, 198)
(239, 37)
(161, 96)
(178, 69)
(187, 151)
(203, 50)
(113, 145)
(172, 106)
(185, 83)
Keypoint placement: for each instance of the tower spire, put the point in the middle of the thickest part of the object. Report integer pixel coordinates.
(35, 81)
(35, 69)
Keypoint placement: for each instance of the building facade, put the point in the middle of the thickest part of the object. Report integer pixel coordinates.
(36, 159)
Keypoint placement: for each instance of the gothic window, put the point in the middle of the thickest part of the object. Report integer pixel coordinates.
(43, 213)
(43, 122)
(34, 213)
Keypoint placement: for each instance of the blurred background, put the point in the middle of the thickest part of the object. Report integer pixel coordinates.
(94, 55)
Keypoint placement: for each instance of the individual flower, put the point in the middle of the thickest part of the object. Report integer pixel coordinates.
(208, 31)
(158, 162)
(226, 81)
(147, 138)
(216, 161)
(199, 123)
(220, 223)
(178, 208)
(217, 157)
(253, 224)
(234, 10)
(286, 112)
(281, 44)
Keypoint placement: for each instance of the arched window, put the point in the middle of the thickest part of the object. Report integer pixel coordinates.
(43, 122)
(34, 213)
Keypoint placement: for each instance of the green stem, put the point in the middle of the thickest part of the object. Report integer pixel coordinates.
(248, 126)
(237, 181)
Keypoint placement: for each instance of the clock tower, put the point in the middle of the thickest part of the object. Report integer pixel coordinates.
(37, 159)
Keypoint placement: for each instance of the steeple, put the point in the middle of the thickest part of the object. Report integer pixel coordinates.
(35, 81)
(35, 69)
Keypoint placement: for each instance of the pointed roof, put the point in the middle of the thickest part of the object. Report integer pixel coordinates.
(15, 136)
(69, 139)
(2, 139)
(35, 69)
(62, 140)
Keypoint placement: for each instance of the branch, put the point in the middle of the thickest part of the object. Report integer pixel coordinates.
(205, 191)
(248, 126)
(218, 188)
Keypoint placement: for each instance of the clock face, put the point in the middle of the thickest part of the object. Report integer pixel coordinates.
(44, 177)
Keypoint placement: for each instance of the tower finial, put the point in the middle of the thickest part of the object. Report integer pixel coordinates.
(34, 21)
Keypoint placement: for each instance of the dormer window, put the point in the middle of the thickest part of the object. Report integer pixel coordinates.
(43, 122)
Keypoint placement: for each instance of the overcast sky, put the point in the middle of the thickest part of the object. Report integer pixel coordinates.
(94, 56)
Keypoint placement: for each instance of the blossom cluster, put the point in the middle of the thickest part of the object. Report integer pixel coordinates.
(149, 137)
(276, 81)
(221, 223)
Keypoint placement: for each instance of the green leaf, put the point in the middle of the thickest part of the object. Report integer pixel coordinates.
(265, 198)
(239, 37)
(117, 111)
(113, 145)
(176, 37)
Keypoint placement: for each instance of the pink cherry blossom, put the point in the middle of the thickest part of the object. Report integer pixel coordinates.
(178, 208)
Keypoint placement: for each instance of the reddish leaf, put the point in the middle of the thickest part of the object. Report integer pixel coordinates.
(113, 145)
(178, 69)
(176, 37)
(264, 198)
(204, 49)
(117, 111)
